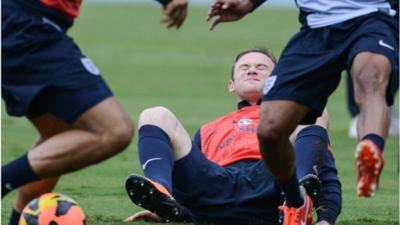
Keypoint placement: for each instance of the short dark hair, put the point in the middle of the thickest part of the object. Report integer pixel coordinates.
(261, 50)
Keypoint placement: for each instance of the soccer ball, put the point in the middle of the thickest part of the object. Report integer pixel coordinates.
(52, 209)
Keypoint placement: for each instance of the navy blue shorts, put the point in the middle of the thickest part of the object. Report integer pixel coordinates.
(242, 193)
(310, 66)
(43, 70)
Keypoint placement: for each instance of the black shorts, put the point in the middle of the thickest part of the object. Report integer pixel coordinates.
(240, 194)
(309, 68)
(43, 70)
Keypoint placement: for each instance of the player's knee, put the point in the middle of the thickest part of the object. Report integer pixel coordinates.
(370, 80)
(271, 135)
(119, 137)
(155, 116)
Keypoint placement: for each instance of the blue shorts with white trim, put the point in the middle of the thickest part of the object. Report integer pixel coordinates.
(43, 70)
(310, 66)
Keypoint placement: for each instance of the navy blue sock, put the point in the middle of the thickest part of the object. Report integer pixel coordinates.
(378, 140)
(313, 152)
(16, 174)
(291, 190)
(14, 217)
(310, 146)
(155, 155)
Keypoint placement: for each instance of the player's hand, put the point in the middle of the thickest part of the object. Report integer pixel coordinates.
(175, 13)
(323, 222)
(228, 11)
(144, 215)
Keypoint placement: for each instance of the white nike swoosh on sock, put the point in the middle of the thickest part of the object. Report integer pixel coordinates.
(149, 160)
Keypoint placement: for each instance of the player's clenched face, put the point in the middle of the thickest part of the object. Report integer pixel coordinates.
(250, 73)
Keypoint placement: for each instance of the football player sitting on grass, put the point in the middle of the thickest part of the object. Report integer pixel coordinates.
(219, 177)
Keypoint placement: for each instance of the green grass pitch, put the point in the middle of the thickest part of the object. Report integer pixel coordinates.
(187, 71)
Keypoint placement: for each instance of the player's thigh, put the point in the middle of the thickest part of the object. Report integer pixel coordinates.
(308, 71)
(378, 62)
(198, 182)
(281, 116)
(370, 71)
(107, 116)
(182, 142)
(48, 125)
(57, 78)
(377, 46)
(91, 108)
(374, 57)
(166, 120)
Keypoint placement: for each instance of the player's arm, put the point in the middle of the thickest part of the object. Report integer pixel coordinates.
(175, 12)
(230, 10)
(146, 215)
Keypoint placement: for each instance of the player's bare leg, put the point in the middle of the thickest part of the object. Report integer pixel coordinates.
(278, 119)
(370, 73)
(99, 133)
(33, 190)
(162, 140)
(26, 193)
(167, 121)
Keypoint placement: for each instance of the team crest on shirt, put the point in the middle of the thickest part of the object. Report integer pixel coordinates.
(244, 122)
(269, 83)
(90, 66)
